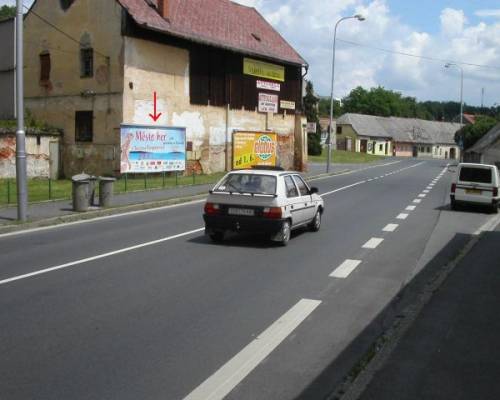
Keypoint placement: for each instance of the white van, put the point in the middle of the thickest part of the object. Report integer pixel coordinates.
(475, 184)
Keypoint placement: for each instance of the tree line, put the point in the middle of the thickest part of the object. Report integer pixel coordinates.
(7, 12)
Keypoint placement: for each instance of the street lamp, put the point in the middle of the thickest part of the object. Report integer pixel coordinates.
(449, 65)
(329, 159)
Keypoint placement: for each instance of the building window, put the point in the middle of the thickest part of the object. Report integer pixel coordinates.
(339, 130)
(86, 63)
(84, 124)
(44, 67)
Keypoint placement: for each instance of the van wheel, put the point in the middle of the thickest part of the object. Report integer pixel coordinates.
(494, 209)
(286, 232)
(217, 237)
(316, 222)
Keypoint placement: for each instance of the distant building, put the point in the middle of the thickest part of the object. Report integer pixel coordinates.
(402, 137)
(207, 60)
(487, 149)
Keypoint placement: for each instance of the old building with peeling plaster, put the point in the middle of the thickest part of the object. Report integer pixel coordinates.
(92, 65)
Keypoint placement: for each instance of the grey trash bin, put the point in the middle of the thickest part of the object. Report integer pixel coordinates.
(106, 191)
(92, 189)
(80, 192)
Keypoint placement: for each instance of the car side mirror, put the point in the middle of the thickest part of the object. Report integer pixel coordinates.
(314, 190)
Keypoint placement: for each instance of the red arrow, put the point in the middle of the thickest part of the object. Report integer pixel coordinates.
(155, 116)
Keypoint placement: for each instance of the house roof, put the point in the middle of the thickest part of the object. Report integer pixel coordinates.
(487, 140)
(219, 23)
(470, 118)
(408, 130)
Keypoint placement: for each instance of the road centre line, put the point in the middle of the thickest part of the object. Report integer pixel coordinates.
(345, 269)
(390, 227)
(417, 201)
(422, 195)
(224, 380)
(402, 216)
(373, 243)
(411, 208)
(426, 191)
(98, 257)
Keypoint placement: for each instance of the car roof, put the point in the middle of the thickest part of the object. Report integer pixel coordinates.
(475, 165)
(262, 172)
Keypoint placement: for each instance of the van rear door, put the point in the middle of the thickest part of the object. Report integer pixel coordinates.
(475, 183)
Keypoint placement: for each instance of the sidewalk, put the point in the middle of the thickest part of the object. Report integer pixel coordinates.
(62, 208)
(452, 349)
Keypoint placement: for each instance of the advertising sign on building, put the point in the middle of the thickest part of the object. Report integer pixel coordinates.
(254, 148)
(263, 69)
(266, 85)
(152, 149)
(311, 127)
(287, 105)
(268, 103)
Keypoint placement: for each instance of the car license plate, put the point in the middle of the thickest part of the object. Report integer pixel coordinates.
(473, 191)
(241, 211)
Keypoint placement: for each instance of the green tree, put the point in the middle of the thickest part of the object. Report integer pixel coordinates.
(472, 133)
(324, 107)
(7, 12)
(311, 111)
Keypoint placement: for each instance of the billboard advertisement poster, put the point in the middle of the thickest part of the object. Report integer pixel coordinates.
(263, 69)
(268, 103)
(254, 148)
(266, 85)
(152, 149)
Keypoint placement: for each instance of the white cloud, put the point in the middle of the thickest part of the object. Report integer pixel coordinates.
(452, 22)
(488, 13)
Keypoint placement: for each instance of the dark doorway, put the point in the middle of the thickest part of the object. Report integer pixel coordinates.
(452, 154)
(415, 151)
(363, 146)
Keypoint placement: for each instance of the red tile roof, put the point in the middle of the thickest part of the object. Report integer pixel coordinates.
(470, 118)
(220, 23)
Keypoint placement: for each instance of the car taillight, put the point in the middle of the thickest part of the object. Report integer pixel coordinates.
(272, 212)
(212, 209)
(453, 187)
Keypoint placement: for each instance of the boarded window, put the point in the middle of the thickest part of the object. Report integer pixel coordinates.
(44, 67)
(84, 126)
(86, 63)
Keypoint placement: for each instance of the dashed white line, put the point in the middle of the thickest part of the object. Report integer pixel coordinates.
(422, 195)
(426, 191)
(345, 269)
(411, 208)
(402, 216)
(98, 257)
(223, 381)
(373, 243)
(390, 227)
(418, 201)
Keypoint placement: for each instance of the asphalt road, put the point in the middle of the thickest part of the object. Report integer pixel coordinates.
(143, 306)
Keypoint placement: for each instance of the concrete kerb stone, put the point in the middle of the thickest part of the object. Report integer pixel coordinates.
(16, 226)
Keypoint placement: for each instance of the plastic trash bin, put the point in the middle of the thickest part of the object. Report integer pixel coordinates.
(80, 192)
(92, 188)
(106, 185)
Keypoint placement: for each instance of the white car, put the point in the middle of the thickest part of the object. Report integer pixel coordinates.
(262, 200)
(475, 184)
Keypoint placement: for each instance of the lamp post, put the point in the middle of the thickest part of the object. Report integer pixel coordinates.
(329, 158)
(449, 65)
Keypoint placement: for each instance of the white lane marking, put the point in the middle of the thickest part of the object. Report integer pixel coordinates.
(223, 381)
(426, 191)
(417, 201)
(354, 171)
(429, 188)
(98, 257)
(402, 216)
(422, 195)
(411, 208)
(345, 269)
(373, 243)
(489, 225)
(98, 219)
(390, 227)
(342, 188)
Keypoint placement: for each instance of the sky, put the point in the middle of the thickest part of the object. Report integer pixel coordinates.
(464, 31)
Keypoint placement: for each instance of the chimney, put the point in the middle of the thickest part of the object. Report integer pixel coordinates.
(163, 8)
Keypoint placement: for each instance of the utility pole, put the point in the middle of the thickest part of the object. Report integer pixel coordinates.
(22, 192)
(482, 100)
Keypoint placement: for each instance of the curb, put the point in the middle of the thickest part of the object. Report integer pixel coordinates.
(89, 215)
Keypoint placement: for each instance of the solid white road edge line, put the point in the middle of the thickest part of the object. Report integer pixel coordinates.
(390, 227)
(342, 188)
(223, 381)
(489, 225)
(373, 243)
(98, 257)
(345, 269)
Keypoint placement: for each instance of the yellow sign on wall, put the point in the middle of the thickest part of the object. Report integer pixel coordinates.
(254, 148)
(263, 69)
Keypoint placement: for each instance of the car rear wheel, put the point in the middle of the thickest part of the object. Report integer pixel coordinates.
(217, 237)
(286, 232)
(316, 222)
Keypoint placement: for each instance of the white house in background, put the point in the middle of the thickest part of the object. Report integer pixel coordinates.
(487, 149)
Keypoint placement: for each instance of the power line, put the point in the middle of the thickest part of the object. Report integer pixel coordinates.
(440, 60)
(61, 31)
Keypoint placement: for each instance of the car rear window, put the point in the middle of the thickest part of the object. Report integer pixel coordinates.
(480, 175)
(248, 183)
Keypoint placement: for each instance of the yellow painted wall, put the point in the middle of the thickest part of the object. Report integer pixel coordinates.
(55, 103)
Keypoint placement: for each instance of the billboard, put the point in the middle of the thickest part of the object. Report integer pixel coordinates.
(254, 148)
(147, 148)
(263, 69)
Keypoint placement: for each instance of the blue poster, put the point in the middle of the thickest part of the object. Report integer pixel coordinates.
(152, 148)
